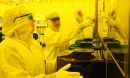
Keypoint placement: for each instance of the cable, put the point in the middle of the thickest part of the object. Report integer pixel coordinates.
(122, 72)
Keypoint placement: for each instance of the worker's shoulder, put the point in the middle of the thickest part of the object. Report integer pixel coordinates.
(9, 43)
(36, 44)
(6, 43)
(12, 46)
(6, 49)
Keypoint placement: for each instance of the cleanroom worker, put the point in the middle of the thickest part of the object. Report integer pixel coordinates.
(114, 29)
(20, 54)
(54, 39)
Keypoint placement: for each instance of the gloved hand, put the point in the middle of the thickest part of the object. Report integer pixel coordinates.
(79, 16)
(62, 73)
(79, 19)
(110, 22)
(86, 23)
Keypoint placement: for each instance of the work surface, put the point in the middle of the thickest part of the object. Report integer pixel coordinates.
(98, 67)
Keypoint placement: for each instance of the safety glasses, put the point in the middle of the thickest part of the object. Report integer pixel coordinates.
(55, 19)
(29, 16)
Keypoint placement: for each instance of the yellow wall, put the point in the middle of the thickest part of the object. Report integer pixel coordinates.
(123, 14)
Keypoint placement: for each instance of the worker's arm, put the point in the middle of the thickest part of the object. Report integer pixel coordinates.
(52, 38)
(58, 38)
(83, 25)
(117, 27)
(13, 65)
(121, 33)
